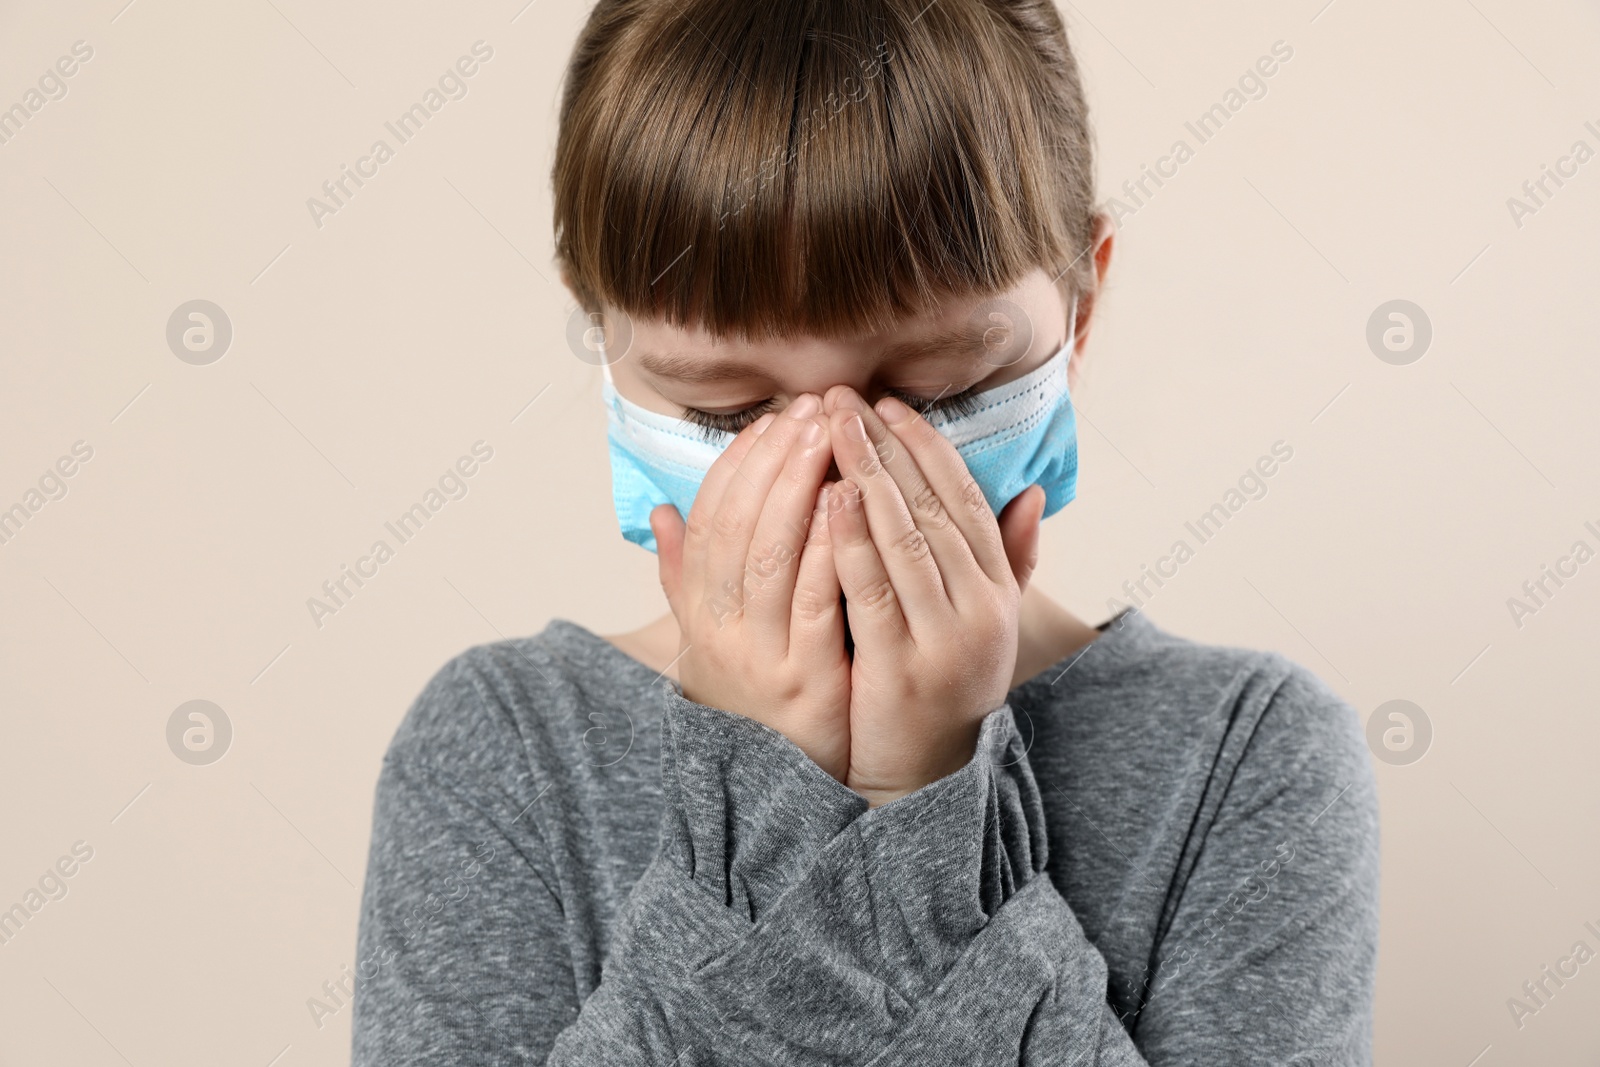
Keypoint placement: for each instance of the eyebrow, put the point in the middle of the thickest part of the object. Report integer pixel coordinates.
(966, 339)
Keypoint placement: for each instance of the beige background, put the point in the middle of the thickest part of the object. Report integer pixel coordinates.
(370, 353)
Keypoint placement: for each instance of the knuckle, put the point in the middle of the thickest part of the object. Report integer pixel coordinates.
(928, 510)
(869, 465)
(912, 544)
(972, 497)
(812, 606)
(728, 525)
(879, 593)
(788, 690)
(697, 527)
(764, 570)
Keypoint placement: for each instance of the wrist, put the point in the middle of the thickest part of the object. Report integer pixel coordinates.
(747, 810)
(920, 767)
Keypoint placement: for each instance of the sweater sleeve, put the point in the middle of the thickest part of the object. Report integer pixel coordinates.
(781, 922)
(461, 953)
(463, 950)
(1269, 950)
(928, 932)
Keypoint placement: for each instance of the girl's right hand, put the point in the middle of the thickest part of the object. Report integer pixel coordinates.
(751, 581)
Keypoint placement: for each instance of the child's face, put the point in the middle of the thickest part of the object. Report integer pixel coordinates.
(974, 343)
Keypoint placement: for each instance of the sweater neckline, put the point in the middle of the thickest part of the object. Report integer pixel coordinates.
(1120, 636)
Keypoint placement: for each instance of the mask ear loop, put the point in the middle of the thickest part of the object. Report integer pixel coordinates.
(605, 369)
(605, 361)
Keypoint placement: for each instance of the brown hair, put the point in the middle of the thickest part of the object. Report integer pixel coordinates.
(820, 167)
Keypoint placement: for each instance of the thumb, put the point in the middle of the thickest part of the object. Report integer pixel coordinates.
(667, 525)
(1019, 532)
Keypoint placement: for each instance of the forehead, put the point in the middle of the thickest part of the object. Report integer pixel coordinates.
(961, 327)
(726, 362)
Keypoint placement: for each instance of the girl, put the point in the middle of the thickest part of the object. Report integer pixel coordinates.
(863, 794)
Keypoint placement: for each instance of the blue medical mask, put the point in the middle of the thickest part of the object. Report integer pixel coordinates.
(1022, 433)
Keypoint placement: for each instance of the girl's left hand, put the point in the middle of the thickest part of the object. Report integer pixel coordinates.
(932, 586)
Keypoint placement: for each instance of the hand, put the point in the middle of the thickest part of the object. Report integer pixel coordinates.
(933, 586)
(752, 582)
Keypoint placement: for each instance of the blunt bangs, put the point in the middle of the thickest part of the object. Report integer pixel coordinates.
(822, 167)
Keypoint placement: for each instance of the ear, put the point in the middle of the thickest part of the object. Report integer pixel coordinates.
(1103, 243)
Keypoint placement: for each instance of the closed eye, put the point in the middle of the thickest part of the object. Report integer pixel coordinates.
(712, 423)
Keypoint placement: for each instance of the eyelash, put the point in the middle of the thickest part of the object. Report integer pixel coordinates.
(714, 422)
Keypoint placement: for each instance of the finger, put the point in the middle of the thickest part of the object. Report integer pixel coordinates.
(963, 579)
(904, 550)
(667, 525)
(730, 554)
(947, 473)
(697, 524)
(871, 600)
(816, 627)
(1019, 532)
(781, 532)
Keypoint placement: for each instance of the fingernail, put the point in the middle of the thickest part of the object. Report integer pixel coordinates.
(892, 411)
(805, 405)
(811, 433)
(761, 424)
(856, 428)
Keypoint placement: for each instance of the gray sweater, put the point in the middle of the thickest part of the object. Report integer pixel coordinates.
(1161, 852)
